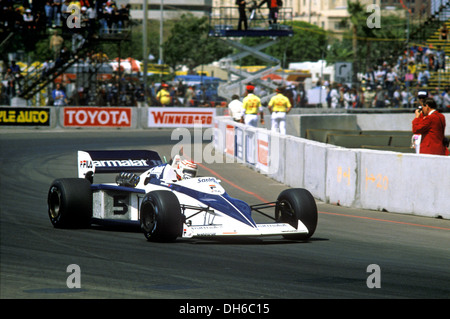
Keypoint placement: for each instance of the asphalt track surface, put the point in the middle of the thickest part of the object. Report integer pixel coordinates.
(412, 253)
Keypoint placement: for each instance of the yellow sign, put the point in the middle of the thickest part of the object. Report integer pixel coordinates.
(157, 68)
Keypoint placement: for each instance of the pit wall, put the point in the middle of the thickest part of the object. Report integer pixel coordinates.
(368, 179)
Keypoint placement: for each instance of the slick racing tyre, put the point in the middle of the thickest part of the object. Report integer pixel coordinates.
(160, 216)
(70, 203)
(297, 204)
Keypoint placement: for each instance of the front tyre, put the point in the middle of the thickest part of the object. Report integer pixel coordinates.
(160, 216)
(297, 204)
(70, 203)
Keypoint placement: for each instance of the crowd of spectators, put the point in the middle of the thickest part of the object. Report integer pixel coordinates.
(385, 85)
(395, 85)
(104, 15)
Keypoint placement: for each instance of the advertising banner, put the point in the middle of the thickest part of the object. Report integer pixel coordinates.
(97, 116)
(262, 151)
(239, 143)
(180, 116)
(250, 142)
(229, 140)
(23, 116)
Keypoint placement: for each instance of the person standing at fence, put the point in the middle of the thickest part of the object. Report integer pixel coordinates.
(279, 106)
(235, 108)
(251, 107)
(59, 96)
(163, 95)
(431, 125)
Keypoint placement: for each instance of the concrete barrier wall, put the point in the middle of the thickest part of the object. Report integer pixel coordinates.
(369, 179)
(297, 124)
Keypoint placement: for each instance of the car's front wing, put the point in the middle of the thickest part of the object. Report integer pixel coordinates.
(271, 229)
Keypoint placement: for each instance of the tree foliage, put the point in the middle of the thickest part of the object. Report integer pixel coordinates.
(190, 45)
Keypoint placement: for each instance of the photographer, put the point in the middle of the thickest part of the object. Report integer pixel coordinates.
(431, 125)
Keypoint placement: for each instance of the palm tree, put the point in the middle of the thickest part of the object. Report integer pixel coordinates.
(357, 17)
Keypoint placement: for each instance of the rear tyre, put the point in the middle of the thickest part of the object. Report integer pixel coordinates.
(160, 216)
(297, 204)
(70, 203)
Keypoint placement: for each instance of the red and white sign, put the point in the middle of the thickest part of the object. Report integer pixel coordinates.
(180, 116)
(229, 140)
(262, 150)
(97, 116)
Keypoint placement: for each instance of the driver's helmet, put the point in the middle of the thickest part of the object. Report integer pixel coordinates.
(186, 169)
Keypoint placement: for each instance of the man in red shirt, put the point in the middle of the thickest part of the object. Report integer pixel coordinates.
(273, 9)
(431, 125)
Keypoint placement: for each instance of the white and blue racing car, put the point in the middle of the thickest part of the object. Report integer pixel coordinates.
(169, 200)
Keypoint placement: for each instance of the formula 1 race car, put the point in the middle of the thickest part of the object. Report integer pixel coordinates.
(169, 200)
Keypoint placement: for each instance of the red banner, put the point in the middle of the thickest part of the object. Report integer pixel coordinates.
(97, 116)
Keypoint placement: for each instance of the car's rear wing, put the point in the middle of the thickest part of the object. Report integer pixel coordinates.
(97, 162)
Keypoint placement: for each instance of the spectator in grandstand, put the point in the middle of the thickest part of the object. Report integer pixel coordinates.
(380, 97)
(446, 99)
(390, 82)
(402, 63)
(28, 20)
(438, 98)
(396, 98)
(45, 68)
(349, 98)
(423, 77)
(443, 34)
(189, 96)
(48, 13)
(405, 97)
(440, 59)
(57, 4)
(65, 13)
(380, 74)
(411, 74)
(334, 96)
(431, 125)
(369, 97)
(370, 78)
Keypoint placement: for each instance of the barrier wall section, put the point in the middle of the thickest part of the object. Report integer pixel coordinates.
(369, 179)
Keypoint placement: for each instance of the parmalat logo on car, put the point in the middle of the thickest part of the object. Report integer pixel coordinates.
(120, 163)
